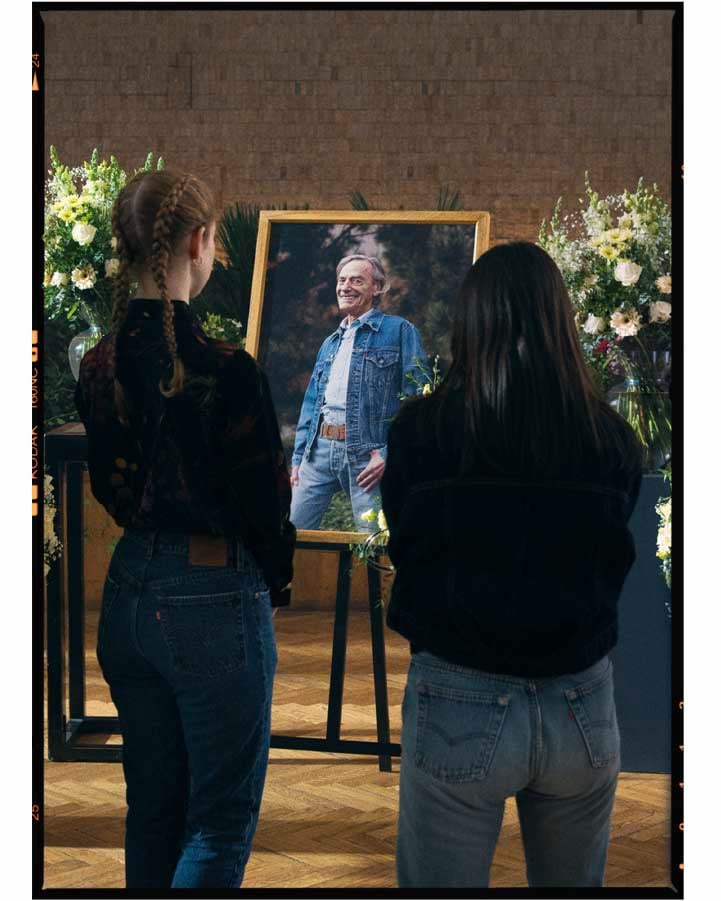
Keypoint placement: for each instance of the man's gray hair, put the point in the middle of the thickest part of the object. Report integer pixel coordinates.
(379, 273)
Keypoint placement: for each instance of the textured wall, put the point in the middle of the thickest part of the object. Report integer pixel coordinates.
(301, 106)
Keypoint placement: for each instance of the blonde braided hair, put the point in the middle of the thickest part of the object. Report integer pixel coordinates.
(151, 214)
(159, 266)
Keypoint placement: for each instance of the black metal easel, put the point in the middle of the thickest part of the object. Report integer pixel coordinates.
(69, 728)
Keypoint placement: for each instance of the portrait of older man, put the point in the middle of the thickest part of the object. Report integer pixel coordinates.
(355, 389)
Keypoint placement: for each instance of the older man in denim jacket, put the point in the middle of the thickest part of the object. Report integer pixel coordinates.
(361, 371)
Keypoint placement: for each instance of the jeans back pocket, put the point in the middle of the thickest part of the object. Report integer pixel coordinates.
(204, 633)
(458, 731)
(594, 709)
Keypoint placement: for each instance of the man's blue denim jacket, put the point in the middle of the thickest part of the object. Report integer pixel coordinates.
(385, 351)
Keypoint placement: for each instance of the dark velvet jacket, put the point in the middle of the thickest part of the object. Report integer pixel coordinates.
(500, 573)
(209, 460)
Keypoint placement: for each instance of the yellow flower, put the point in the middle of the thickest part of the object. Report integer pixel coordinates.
(382, 523)
(613, 235)
(608, 252)
(427, 388)
(597, 240)
(368, 516)
(67, 215)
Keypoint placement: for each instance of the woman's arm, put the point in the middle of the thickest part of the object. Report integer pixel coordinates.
(394, 482)
(256, 474)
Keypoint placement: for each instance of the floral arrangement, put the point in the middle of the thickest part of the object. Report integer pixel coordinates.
(80, 261)
(663, 539)
(615, 258)
(216, 326)
(431, 382)
(51, 542)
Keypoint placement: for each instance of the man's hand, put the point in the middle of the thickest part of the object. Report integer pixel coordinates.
(295, 476)
(371, 475)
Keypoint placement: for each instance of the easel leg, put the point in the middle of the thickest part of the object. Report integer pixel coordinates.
(340, 641)
(380, 681)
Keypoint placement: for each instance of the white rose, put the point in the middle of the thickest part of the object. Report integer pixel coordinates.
(59, 279)
(83, 278)
(83, 233)
(594, 324)
(663, 541)
(660, 311)
(627, 273)
(626, 323)
(663, 283)
(111, 267)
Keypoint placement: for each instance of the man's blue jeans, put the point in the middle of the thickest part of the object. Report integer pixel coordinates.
(472, 739)
(322, 475)
(189, 654)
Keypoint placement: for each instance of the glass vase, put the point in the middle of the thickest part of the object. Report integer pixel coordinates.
(80, 345)
(648, 412)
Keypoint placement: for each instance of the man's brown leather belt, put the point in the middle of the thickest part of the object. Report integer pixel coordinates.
(336, 432)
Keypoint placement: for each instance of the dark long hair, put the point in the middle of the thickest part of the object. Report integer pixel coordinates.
(530, 404)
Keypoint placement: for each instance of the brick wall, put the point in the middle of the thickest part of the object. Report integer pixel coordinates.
(508, 106)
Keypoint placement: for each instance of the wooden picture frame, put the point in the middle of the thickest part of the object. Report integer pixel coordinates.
(270, 224)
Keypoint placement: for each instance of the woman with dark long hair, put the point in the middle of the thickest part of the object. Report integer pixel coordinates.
(507, 494)
(185, 454)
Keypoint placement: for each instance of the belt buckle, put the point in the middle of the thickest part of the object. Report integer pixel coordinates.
(207, 550)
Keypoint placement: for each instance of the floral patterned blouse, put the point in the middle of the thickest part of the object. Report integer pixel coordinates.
(209, 460)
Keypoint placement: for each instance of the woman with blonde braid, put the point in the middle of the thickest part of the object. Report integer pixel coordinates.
(185, 454)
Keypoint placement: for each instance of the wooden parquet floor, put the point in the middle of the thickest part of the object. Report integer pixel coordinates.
(327, 821)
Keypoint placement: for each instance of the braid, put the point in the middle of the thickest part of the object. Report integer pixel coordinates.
(159, 266)
(121, 293)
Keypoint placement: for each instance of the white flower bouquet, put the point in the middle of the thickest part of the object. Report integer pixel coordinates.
(51, 542)
(663, 539)
(615, 258)
(80, 261)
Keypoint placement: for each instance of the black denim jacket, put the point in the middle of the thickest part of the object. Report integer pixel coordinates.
(209, 460)
(500, 573)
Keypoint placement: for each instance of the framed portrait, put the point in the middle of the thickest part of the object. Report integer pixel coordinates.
(350, 314)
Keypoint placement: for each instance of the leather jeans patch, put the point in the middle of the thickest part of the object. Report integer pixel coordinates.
(207, 550)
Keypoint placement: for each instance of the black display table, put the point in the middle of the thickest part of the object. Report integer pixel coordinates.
(642, 657)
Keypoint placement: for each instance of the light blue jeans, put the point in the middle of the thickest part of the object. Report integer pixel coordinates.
(472, 739)
(322, 475)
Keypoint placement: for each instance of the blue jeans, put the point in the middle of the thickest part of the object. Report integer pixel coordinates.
(472, 739)
(322, 475)
(188, 652)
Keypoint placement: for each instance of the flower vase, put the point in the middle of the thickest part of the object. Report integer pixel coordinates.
(648, 412)
(80, 345)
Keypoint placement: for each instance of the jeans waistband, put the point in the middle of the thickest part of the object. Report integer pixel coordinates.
(427, 660)
(155, 541)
